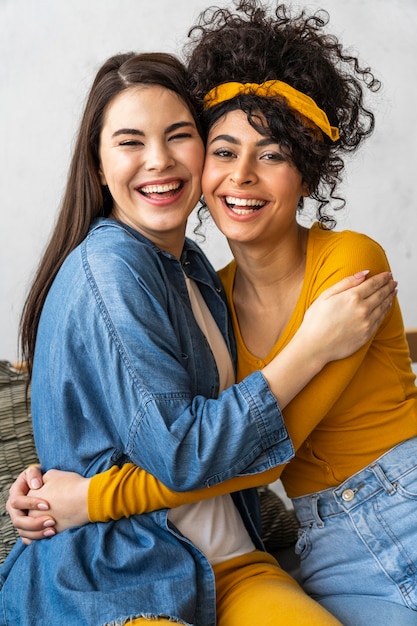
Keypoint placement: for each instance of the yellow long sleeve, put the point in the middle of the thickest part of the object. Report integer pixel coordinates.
(129, 490)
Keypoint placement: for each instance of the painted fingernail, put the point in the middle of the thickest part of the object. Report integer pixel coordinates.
(49, 522)
(35, 483)
(49, 533)
(42, 506)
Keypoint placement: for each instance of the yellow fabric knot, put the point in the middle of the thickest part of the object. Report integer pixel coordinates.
(296, 100)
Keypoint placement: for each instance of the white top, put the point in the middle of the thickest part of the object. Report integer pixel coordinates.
(214, 525)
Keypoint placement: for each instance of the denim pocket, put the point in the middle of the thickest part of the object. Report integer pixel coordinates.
(407, 484)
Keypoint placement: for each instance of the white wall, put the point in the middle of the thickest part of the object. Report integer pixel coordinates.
(50, 51)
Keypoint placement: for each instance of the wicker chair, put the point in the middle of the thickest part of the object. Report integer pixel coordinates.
(17, 447)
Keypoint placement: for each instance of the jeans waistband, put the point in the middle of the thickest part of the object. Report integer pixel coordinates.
(381, 474)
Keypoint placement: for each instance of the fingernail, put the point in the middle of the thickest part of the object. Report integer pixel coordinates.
(49, 533)
(42, 506)
(49, 522)
(360, 274)
(35, 483)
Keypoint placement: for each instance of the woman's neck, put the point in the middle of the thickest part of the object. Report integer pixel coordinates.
(267, 286)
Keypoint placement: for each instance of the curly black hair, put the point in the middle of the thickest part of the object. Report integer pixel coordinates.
(255, 44)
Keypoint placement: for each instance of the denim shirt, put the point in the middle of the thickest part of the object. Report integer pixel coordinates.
(122, 372)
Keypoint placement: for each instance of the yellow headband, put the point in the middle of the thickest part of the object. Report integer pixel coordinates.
(296, 100)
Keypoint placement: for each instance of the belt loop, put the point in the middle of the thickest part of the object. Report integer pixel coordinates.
(314, 503)
(389, 487)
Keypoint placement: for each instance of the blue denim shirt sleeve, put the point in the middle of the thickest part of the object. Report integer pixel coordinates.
(240, 433)
(137, 378)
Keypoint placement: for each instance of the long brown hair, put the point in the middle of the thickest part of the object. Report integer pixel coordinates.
(85, 198)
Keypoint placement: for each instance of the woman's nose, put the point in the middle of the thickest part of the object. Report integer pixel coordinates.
(243, 173)
(159, 158)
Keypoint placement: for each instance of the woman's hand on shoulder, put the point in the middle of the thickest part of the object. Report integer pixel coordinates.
(347, 315)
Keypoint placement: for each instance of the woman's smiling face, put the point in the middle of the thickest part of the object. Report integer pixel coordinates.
(250, 186)
(151, 159)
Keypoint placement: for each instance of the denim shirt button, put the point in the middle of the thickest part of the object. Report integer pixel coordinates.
(348, 495)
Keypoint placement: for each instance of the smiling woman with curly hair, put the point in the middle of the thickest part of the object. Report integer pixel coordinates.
(253, 44)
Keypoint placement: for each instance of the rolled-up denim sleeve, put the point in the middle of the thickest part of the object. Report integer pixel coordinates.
(242, 432)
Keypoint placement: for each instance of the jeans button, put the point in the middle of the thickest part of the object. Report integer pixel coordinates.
(348, 495)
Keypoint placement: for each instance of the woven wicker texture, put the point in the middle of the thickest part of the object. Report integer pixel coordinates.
(17, 448)
(279, 524)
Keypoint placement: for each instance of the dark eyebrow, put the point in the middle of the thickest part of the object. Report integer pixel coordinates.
(265, 141)
(128, 131)
(140, 133)
(178, 125)
(227, 138)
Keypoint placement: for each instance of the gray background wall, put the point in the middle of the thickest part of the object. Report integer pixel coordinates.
(50, 51)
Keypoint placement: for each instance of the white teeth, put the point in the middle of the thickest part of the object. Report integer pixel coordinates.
(244, 201)
(160, 188)
(243, 211)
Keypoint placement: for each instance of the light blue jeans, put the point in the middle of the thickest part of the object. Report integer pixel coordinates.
(358, 542)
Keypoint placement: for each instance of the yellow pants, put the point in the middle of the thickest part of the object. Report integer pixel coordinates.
(253, 589)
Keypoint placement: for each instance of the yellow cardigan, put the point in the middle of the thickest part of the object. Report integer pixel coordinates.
(353, 411)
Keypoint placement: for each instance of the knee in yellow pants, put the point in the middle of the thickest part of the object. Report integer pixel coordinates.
(253, 589)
